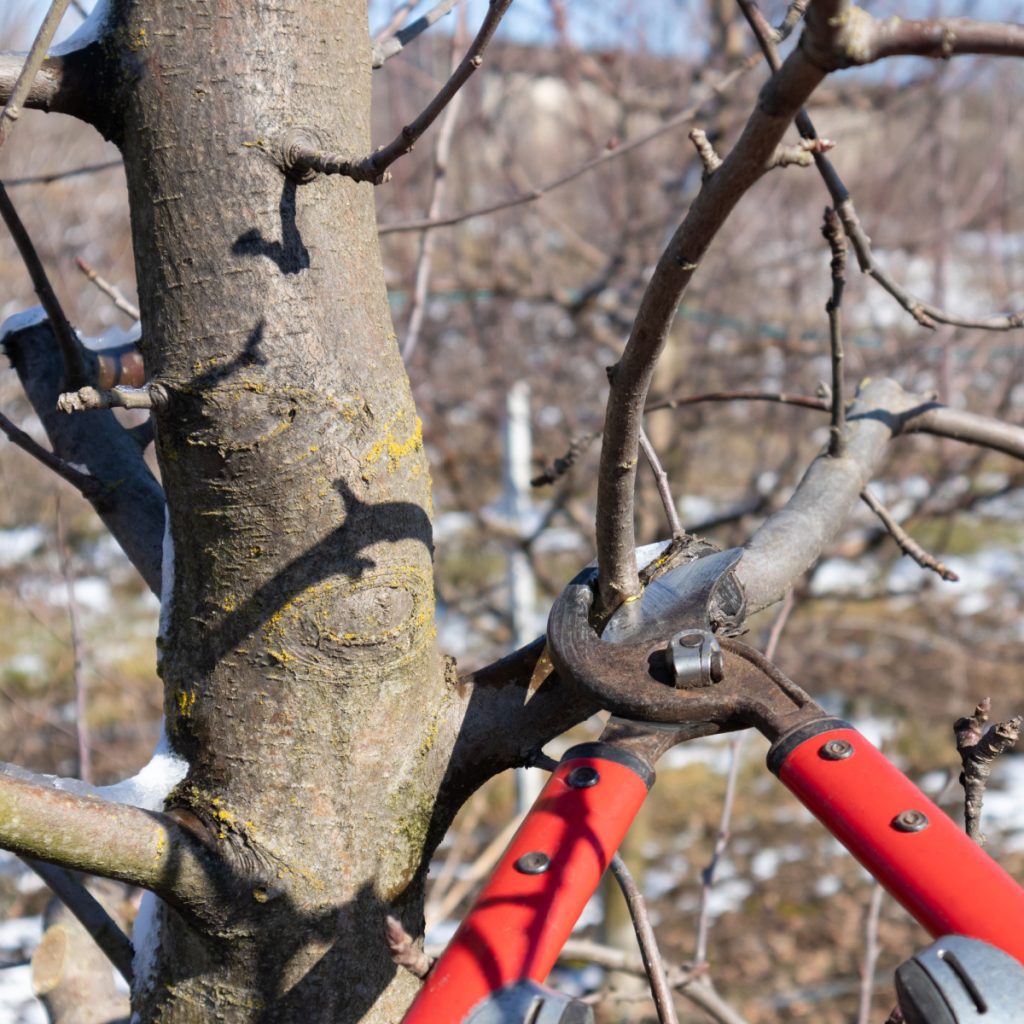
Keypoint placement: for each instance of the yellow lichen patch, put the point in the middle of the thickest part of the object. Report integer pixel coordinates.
(390, 451)
(229, 603)
(186, 701)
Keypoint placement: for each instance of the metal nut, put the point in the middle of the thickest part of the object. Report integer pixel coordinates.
(910, 821)
(533, 863)
(583, 777)
(695, 657)
(836, 750)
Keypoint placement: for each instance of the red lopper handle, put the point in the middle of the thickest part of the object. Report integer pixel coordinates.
(521, 919)
(945, 880)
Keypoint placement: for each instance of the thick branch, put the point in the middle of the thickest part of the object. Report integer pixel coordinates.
(865, 39)
(23, 84)
(781, 98)
(64, 85)
(128, 498)
(789, 542)
(111, 840)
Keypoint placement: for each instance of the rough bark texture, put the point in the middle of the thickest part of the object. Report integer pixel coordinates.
(301, 678)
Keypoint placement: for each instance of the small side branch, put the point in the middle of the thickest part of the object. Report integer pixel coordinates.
(389, 46)
(923, 313)
(907, 544)
(374, 168)
(532, 195)
(653, 963)
(74, 361)
(111, 291)
(153, 396)
(562, 465)
(116, 841)
(661, 481)
(84, 483)
(404, 950)
(837, 244)
(90, 913)
(978, 748)
(23, 86)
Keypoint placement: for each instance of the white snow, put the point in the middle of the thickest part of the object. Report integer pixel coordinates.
(146, 940)
(20, 321)
(18, 543)
(17, 1003)
(149, 787)
(113, 337)
(88, 32)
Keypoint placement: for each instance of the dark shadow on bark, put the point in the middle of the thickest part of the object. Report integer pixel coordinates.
(249, 356)
(338, 553)
(290, 254)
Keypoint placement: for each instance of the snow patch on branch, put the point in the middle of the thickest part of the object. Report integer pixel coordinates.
(22, 321)
(90, 31)
(149, 787)
(112, 337)
(146, 940)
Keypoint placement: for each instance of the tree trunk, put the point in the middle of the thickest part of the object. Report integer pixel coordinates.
(300, 673)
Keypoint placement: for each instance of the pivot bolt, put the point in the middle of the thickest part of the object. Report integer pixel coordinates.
(583, 777)
(836, 750)
(533, 863)
(910, 821)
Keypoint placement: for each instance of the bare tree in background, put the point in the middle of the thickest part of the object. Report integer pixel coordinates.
(327, 741)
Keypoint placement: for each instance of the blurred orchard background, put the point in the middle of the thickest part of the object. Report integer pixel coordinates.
(509, 319)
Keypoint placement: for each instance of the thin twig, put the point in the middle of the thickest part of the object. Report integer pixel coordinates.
(837, 245)
(33, 62)
(562, 465)
(782, 397)
(153, 396)
(978, 748)
(74, 361)
(374, 168)
(653, 963)
(110, 290)
(926, 315)
(52, 176)
(438, 188)
(480, 867)
(661, 481)
(692, 984)
(81, 721)
(393, 40)
(684, 117)
(84, 483)
(871, 952)
(794, 15)
(404, 951)
(907, 543)
(90, 913)
(707, 876)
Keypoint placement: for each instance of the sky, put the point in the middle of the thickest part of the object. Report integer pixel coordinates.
(663, 26)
